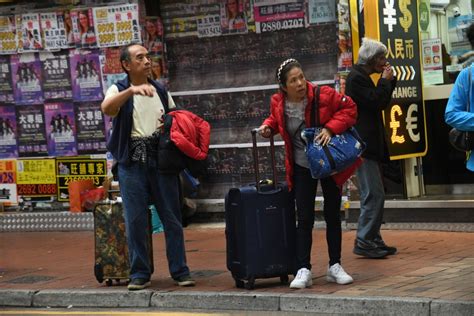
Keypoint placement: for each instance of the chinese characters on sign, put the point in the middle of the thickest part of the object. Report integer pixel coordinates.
(73, 169)
(282, 16)
(8, 189)
(36, 177)
(90, 128)
(56, 75)
(116, 25)
(31, 131)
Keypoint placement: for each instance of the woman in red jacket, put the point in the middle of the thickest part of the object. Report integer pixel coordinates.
(290, 113)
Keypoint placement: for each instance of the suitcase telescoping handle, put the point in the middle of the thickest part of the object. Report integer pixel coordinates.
(255, 159)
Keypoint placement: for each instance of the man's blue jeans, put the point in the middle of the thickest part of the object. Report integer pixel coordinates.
(372, 199)
(141, 185)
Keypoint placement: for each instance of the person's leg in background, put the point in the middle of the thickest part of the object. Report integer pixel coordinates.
(372, 199)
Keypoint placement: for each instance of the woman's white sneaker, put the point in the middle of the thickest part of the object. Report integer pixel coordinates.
(337, 274)
(303, 279)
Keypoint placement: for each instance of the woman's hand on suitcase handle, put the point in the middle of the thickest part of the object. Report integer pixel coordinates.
(324, 137)
(265, 131)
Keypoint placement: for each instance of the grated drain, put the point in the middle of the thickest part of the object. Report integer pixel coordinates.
(205, 273)
(30, 279)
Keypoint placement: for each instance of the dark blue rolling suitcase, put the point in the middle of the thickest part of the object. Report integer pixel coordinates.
(260, 229)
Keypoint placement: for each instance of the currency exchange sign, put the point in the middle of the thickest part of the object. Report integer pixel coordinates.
(404, 119)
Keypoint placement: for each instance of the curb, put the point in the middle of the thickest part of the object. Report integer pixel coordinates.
(355, 305)
(235, 301)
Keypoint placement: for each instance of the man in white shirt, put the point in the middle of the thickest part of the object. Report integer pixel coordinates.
(137, 105)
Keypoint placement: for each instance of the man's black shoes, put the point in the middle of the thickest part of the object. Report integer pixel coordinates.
(369, 249)
(390, 250)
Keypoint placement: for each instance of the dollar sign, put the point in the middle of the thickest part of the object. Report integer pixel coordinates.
(407, 18)
(394, 125)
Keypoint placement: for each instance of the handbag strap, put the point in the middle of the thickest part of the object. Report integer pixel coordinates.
(315, 108)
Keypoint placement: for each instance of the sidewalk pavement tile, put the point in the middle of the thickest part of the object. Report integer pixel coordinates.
(428, 265)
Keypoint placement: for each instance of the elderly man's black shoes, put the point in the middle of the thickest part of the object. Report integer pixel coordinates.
(369, 249)
(390, 250)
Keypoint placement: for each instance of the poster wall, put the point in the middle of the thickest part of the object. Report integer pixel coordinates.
(250, 59)
(228, 78)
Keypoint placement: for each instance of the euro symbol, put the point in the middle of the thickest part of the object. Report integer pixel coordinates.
(412, 122)
(395, 124)
(407, 18)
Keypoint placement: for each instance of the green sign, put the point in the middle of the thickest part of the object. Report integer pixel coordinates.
(424, 15)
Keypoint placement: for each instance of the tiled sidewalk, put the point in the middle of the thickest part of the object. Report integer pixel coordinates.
(436, 265)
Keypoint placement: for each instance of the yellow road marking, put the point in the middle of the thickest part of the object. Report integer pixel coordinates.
(27, 312)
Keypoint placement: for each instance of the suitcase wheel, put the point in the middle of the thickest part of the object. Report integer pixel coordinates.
(99, 272)
(284, 279)
(239, 283)
(250, 285)
(108, 282)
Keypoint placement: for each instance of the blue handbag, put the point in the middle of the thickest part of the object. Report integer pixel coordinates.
(341, 152)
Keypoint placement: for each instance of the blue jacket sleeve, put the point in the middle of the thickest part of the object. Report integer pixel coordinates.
(456, 114)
